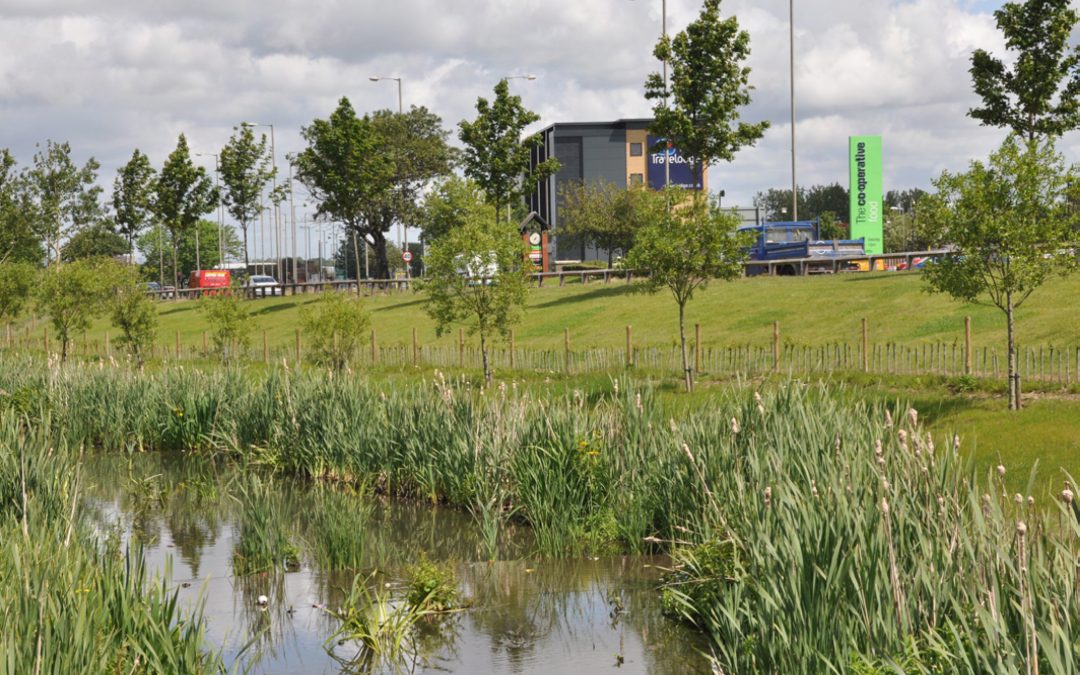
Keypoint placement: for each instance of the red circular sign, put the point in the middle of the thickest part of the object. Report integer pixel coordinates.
(407, 256)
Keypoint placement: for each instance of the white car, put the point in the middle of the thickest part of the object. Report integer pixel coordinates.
(263, 285)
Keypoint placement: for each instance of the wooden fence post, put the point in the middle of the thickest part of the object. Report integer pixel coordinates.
(776, 346)
(415, 349)
(511, 349)
(566, 349)
(177, 345)
(266, 348)
(299, 353)
(697, 347)
(204, 344)
(374, 348)
(629, 347)
(461, 347)
(967, 345)
(7, 339)
(865, 355)
(108, 351)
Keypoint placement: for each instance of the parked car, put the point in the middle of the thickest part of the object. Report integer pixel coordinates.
(263, 285)
(160, 291)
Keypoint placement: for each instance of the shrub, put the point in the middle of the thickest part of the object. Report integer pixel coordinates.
(334, 325)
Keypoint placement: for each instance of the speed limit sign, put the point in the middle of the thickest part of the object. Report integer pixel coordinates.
(407, 256)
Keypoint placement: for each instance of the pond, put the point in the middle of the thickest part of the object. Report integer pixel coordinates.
(522, 614)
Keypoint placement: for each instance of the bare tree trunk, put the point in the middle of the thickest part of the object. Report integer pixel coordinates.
(484, 357)
(244, 227)
(382, 264)
(1014, 374)
(688, 375)
(356, 257)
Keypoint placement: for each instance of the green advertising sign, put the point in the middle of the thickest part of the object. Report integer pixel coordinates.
(864, 158)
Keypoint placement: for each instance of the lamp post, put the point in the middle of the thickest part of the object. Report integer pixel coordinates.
(273, 178)
(221, 222)
(791, 49)
(403, 232)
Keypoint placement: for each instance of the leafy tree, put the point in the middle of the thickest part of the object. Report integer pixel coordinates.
(476, 272)
(602, 214)
(414, 145)
(97, 240)
(683, 249)
(496, 156)
(60, 195)
(230, 322)
(334, 326)
(153, 243)
(17, 280)
(344, 173)
(829, 227)
(1008, 223)
(72, 295)
(246, 169)
(904, 200)
(183, 193)
(452, 203)
(708, 85)
(132, 201)
(346, 258)
(1037, 95)
(131, 311)
(18, 241)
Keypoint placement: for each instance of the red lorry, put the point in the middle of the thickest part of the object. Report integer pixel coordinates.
(209, 279)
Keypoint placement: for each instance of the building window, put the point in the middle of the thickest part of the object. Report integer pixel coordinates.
(636, 150)
(637, 179)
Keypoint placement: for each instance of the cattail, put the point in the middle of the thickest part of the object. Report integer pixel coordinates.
(813, 488)
(768, 495)
(686, 451)
(1067, 496)
(734, 425)
(877, 447)
(1001, 470)
(885, 485)
(913, 417)
(1018, 498)
(1021, 528)
(637, 401)
(615, 386)
(757, 398)
(1031, 501)
(880, 460)
(888, 419)
(902, 435)
(941, 501)
(671, 425)
(885, 506)
(956, 442)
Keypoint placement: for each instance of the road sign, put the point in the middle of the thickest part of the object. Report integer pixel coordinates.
(406, 256)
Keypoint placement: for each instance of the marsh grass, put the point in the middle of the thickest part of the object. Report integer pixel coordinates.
(263, 538)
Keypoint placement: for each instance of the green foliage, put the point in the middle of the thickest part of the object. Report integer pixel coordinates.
(132, 201)
(1009, 224)
(183, 193)
(683, 249)
(453, 203)
(154, 245)
(383, 629)
(1034, 93)
(246, 169)
(18, 242)
(604, 214)
(132, 311)
(829, 228)
(59, 195)
(334, 327)
(262, 540)
(813, 202)
(229, 317)
(431, 586)
(476, 272)
(16, 282)
(94, 241)
(698, 110)
(496, 157)
(344, 171)
(73, 294)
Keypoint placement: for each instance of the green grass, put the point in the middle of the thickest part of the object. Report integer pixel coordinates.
(811, 310)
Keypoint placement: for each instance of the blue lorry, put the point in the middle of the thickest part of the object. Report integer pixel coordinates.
(799, 241)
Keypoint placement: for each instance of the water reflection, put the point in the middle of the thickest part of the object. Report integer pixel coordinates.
(526, 614)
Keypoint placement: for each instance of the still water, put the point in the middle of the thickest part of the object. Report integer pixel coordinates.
(525, 614)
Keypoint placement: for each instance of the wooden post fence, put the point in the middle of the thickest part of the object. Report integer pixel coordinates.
(967, 345)
(374, 348)
(629, 347)
(865, 355)
(776, 346)
(298, 347)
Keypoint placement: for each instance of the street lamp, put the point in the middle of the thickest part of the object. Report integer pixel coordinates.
(273, 178)
(791, 49)
(221, 220)
(403, 232)
(400, 107)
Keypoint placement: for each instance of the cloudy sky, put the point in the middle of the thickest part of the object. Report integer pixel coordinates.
(113, 75)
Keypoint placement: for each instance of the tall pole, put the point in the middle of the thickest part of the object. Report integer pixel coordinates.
(791, 45)
(292, 217)
(667, 149)
(220, 206)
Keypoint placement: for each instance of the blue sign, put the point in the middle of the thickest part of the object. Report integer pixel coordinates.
(682, 175)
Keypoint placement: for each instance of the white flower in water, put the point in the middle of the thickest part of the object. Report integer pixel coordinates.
(262, 601)
(734, 425)
(913, 417)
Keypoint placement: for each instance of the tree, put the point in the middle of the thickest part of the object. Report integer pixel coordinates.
(344, 173)
(1008, 223)
(452, 203)
(601, 213)
(60, 195)
(18, 242)
(230, 321)
(683, 249)
(72, 295)
(334, 326)
(133, 193)
(1037, 95)
(17, 280)
(708, 85)
(95, 241)
(183, 193)
(347, 258)
(246, 169)
(131, 311)
(476, 272)
(496, 156)
(414, 145)
(153, 244)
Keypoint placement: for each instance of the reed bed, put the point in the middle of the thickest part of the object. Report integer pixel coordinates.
(811, 532)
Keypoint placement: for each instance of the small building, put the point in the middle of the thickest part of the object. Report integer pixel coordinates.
(614, 152)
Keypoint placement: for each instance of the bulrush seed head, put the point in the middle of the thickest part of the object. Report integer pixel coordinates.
(734, 425)
(1021, 528)
(888, 419)
(877, 447)
(1018, 498)
(768, 495)
(913, 417)
(1001, 470)
(1031, 501)
(885, 506)
(1067, 496)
